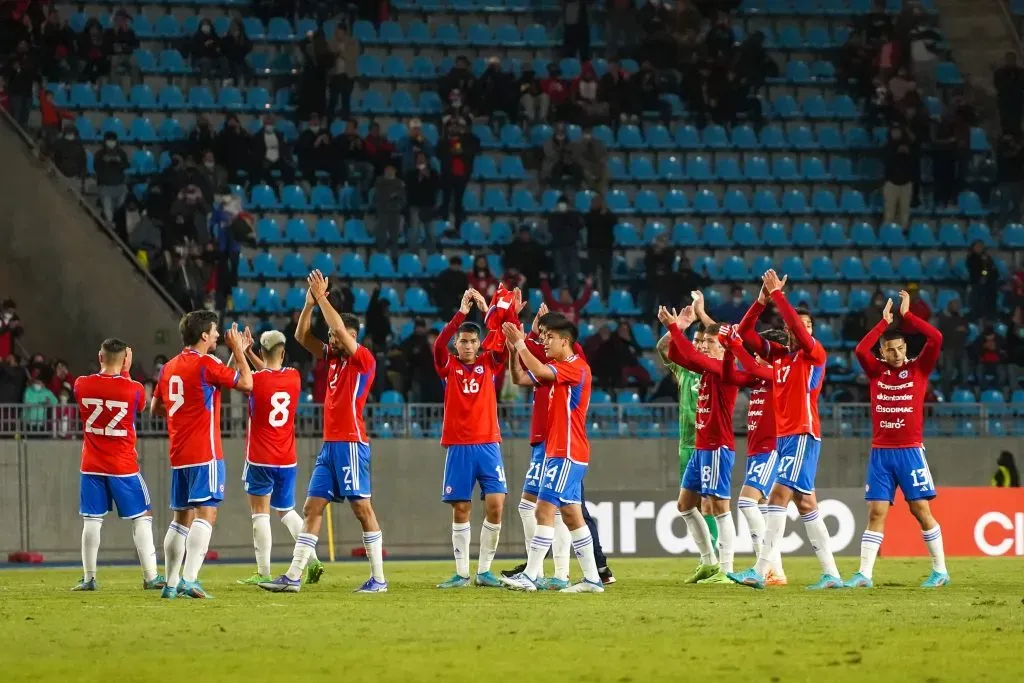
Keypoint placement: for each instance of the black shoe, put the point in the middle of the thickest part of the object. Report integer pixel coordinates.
(607, 578)
(518, 569)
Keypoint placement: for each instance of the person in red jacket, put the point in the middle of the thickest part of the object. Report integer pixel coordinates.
(52, 117)
(565, 304)
(556, 91)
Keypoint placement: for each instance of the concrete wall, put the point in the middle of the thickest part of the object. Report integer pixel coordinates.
(39, 490)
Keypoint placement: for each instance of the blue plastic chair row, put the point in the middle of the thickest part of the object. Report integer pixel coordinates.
(170, 97)
(268, 300)
(755, 169)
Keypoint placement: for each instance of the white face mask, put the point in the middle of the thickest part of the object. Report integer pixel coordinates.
(209, 164)
(110, 144)
(205, 29)
(268, 129)
(421, 166)
(69, 136)
(315, 129)
(561, 207)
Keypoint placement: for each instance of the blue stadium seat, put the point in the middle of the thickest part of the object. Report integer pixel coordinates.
(355, 232)
(793, 266)
(755, 168)
(716, 137)
(891, 235)
(830, 302)
(794, 202)
(417, 301)
(699, 169)
(380, 266)
(852, 269)
(823, 269)
(909, 268)
(805, 236)
(733, 268)
(744, 234)
(685, 235)
(266, 300)
(620, 302)
(293, 265)
(951, 236)
(296, 231)
(352, 266)
(735, 203)
(880, 269)
(774, 236)
(784, 169)
(862, 235)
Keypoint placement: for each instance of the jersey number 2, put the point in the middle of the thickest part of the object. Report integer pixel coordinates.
(119, 408)
(279, 404)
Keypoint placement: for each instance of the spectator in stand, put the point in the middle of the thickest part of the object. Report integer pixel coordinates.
(614, 88)
(576, 29)
(953, 361)
(206, 54)
(345, 49)
(559, 165)
(1015, 348)
(459, 78)
(530, 96)
(39, 400)
(659, 264)
(121, 45)
(145, 237)
(419, 357)
(68, 155)
(449, 285)
(389, 193)
(627, 358)
(565, 225)
(457, 113)
(983, 281)
(525, 256)
(923, 52)
(753, 62)
(621, 29)
(944, 164)
(111, 164)
(496, 89)
(233, 148)
(456, 151)
(56, 43)
(412, 145)
(379, 150)
(61, 379)
(481, 278)
(201, 138)
(600, 223)
(599, 349)
(592, 156)
(12, 384)
(720, 40)
(898, 190)
(990, 357)
(10, 327)
(317, 62)
(1010, 176)
(903, 91)
(94, 53)
(187, 218)
(350, 151)
(235, 47)
(876, 25)
(1008, 81)
(733, 310)
(272, 154)
(20, 75)
(378, 321)
(554, 98)
(854, 71)
(647, 92)
(565, 304)
(313, 149)
(422, 185)
(52, 119)
(918, 306)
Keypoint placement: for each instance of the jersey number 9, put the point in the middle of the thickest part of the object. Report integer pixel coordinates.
(176, 392)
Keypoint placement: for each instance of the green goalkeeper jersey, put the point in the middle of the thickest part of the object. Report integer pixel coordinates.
(688, 382)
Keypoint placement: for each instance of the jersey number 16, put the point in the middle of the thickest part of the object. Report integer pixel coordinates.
(470, 386)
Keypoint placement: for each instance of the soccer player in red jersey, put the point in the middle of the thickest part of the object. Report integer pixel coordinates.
(342, 470)
(898, 386)
(188, 392)
(108, 402)
(798, 374)
(270, 461)
(471, 439)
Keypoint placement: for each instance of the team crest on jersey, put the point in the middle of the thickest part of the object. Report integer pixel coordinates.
(479, 369)
(904, 374)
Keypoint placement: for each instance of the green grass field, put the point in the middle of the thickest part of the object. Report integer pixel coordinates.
(647, 627)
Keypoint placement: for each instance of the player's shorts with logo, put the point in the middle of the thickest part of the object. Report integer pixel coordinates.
(342, 471)
(798, 461)
(198, 485)
(762, 470)
(276, 482)
(563, 482)
(99, 493)
(906, 468)
(467, 465)
(534, 473)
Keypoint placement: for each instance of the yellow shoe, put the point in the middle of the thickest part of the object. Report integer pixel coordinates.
(773, 579)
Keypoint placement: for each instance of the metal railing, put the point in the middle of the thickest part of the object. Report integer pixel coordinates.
(608, 420)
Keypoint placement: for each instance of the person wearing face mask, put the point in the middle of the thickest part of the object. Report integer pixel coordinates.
(68, 154)
(313, 149)
(422, 184)
(496, 87)
(38, 400)
(412, 145)
(456, 113)
(111, 165)
(733, 310)
(273, 154)
(232, 148)
(212, 174)
(122, 43)
(555, 95)
(458, 78)
(206, 53)
(201, 138)
(345, 50)
(10, 327)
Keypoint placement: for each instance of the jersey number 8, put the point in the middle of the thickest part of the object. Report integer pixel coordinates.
(279, 402)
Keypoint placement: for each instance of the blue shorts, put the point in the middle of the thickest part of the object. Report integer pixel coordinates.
(761, 471)
(464, 466)
(276, 482)
(98, 493)
(531, 484)
(198, 485)
(715, 471)
(903, 467)
(691, 475)
(798, 461)
(563, 482)
(342, 471)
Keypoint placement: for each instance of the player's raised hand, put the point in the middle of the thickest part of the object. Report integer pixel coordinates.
(233, 338)
(762, 295)
(467, 301)
(247, 337)
(513, 333)
(541, 312)
(665, 316)
(772, 282)
(126, 366)
(318, 284)
(481, 302)
(904, 302)
(517, 301)
(686, 317)
(887, 312)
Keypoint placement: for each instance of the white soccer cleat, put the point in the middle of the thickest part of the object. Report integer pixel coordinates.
(519, 582)
(584, 586)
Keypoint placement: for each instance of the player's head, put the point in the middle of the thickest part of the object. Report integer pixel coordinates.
(547, 319)
(272, 343)
(698, 338)
(199, 330)
(467, 342)
(807, 319)
(351, 323)
(893, 348)
(712, 346)
(112, 352)
(559, 338)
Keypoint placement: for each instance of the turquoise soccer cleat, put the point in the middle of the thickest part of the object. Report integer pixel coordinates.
(455, 582)
(551, 584)
(826, 582)
(84, 585)
(858, 580)
(157, 583)
(169, 593)
(192, 589)
(748, 577)
(936, 580)
(487, 580)
(314, 570)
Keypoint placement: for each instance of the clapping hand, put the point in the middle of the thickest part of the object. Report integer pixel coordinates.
(513, 333)
(317, 284)
(772, 282)
(887, 312)
(904, 302)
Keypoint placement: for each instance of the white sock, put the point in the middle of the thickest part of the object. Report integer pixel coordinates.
(528, 514)
(817, 534)
(774, 527)
(539, 545)
(461, 534)
(304, 546)
(583, 544)
(776, 557)
(196, 545)
(755, 520)
(726, 540)
(698, 529)
(933, 539)
(142, 534)
(293, 521)
(869, 544)
(174, 552)
(261, 541)
(560, 548)
(91, 527)
(489, 534)
(373, 544)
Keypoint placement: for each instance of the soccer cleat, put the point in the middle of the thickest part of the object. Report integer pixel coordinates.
(717, 577)
(518, 569)
(607, 578)
(704, 571)
(858, 580)
(584, 586)
(84, 585)
(455, 582)
(192, 589)
(157, 583)
(281, 584)
(169, 593)
(747, 577)
(773, 579)
(372, 585)
(551, 584)
(826, 582)
(487, 580)
(519, 582)
(936, 579)
(314, 570)
(255, 580)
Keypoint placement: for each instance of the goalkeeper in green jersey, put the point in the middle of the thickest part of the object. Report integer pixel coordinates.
(688, 382)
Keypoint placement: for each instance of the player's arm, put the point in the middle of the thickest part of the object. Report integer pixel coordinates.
(538, 371)
(242, 377)
(318, 285)
(804, 341)
(681, 351)
(251, 355)
(752, 371)
(303, 328)
(929, 355)
(518, 370)
(126, 365)
(156, 403)
(447, 333)
(747, 332)
(864, 351)
(698, 308)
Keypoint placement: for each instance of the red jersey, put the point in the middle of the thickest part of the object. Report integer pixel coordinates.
(189, 387)
(470, 400)
(897, 394)
(716, 397)
(108, 405)
(798, 374)
(761, 406)
(348, 384)
(273, 401)
(568, 401)
(541, 395)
